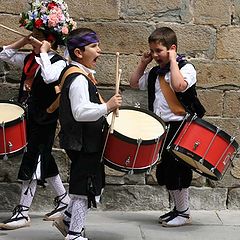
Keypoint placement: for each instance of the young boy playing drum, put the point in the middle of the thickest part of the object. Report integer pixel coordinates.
(41, 70)
(174, 71)
(82, 119)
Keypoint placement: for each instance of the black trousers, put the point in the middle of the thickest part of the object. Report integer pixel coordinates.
(172, 172)
(87, 176)
(40, 141)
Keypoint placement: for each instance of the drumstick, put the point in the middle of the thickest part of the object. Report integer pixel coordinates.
(23, 35)
(115, 112)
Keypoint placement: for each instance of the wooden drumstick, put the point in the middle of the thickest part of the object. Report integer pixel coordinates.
(117, 83)
(23, 35)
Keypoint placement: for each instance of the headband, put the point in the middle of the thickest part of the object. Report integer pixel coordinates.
(76, 41)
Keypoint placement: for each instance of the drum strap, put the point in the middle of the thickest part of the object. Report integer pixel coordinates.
(58, 88)
(170, 96)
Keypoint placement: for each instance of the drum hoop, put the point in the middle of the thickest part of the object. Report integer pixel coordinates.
(197, 158)
(18, 119)
(133, 140)
(115, 166)
(14, 153)
(213, 128)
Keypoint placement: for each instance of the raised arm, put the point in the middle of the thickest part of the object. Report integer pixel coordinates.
(139, 70)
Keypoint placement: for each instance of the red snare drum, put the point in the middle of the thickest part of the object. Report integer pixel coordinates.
(12, 129)
(206, 148)
(135, 142)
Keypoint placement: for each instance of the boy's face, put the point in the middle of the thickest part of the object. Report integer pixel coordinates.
(159, 53)
(89, 57)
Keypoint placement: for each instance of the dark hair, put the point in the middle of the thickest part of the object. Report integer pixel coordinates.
(49, 36)
(76, 34)
(164, 35)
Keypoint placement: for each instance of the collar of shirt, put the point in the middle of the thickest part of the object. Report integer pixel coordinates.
(87, 70)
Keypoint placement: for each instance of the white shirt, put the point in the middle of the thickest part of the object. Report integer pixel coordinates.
(160, 105)
(49, 71)
(82, 108)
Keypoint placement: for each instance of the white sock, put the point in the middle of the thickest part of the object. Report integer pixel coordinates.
(181, 199)
(79, 211)
(68, 212)
(57, 186)
(27, 194)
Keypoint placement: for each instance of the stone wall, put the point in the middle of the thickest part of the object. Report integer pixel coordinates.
(208, 33)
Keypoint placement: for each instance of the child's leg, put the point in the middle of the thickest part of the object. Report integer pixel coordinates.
(62, 199)
(78, 217)
(20, 216)
(182, 214)
(63, 222)
(169, 214)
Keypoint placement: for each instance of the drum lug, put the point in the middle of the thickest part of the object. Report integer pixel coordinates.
(196, 144)
(137, 105)
(212, 169)
(10, 146)
(201, 161)
(127, 161)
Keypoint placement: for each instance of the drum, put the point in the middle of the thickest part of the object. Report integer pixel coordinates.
(206, 148)
(12, 129)
(135, 142)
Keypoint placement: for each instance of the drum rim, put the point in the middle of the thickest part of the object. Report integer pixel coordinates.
(118, 167)
(144, 142)
(213, 128)
(195, 157)
(17, 120)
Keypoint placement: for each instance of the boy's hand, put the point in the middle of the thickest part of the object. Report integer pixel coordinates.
(114, 102)
(172, 54)
(45, 47)
(146, 58)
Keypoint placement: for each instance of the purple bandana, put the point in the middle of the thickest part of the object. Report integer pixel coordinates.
(82, 41)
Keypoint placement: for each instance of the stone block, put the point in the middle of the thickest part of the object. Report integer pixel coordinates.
(9, 168)
(231, 104)
(135, 198)
(227, 43)
(233, 198)
(229, 125)
(215, 13)
(212, 100)
(217, 73)
(205, 198)
(9, 91)
(235, 12)
(9, 195)
(94, 10)
(11, 21)
(14, 7)
(228, 180)
(171, 11)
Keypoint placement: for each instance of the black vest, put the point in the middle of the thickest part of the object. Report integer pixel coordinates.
(188, 99)
(74, 135)
(42, 95)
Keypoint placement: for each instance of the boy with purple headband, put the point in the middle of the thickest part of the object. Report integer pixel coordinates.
(82, 121)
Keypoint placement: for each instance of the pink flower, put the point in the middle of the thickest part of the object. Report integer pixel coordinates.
(53, 20)
(64, 30)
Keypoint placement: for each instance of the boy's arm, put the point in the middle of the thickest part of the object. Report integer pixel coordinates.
(139, 71)
(19, 43)
(177, 80)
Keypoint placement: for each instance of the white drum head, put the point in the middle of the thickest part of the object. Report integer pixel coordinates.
(10, 112)
(137, 125)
